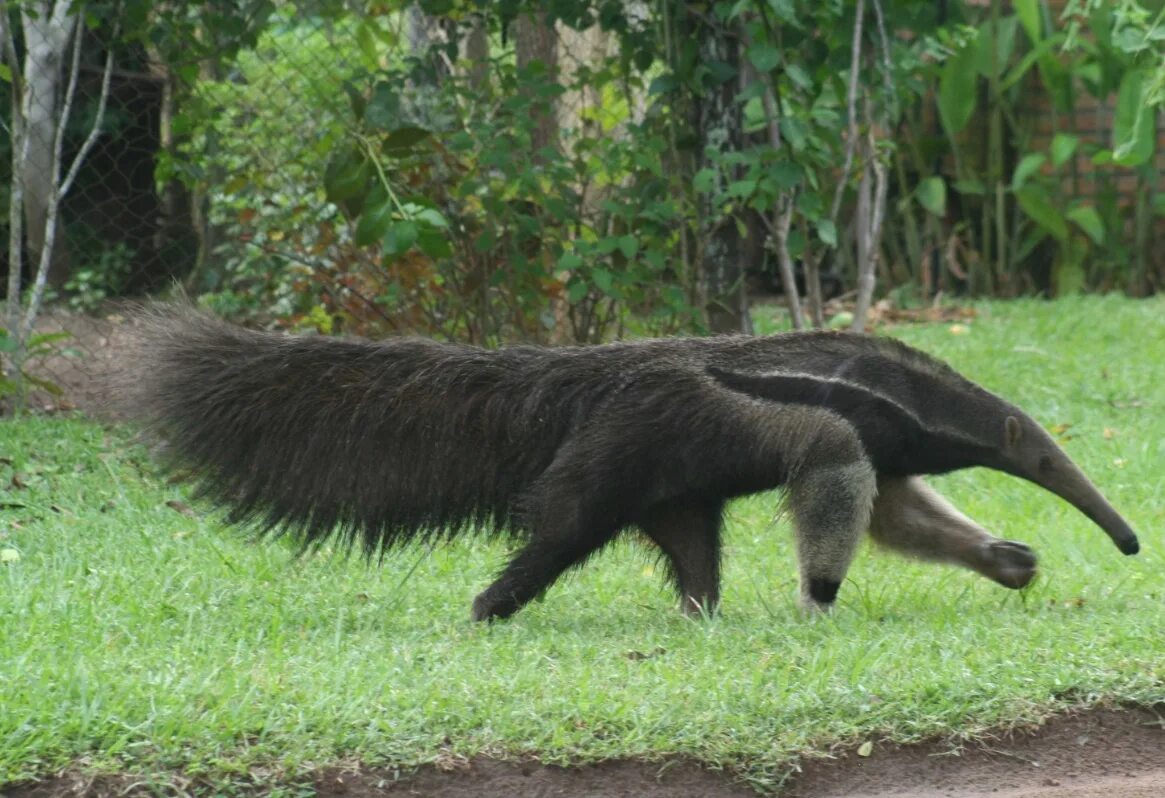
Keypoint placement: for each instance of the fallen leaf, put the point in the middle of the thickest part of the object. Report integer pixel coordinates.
(1109, 433)
(866, 748)
(959, 329)
(1120, 462)
(181, 507)
(638, 655)
(9, 555)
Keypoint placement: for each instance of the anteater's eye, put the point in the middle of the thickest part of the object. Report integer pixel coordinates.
(1045, 463)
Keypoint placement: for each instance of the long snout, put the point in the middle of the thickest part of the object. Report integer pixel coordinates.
(1066, 480)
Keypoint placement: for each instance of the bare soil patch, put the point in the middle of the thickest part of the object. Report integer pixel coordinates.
(1097, 754)
(81, 366)
(1115, 754)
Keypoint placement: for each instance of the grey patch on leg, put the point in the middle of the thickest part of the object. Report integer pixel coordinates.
(831, 507)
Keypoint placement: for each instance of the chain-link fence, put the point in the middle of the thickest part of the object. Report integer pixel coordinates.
(156, 169)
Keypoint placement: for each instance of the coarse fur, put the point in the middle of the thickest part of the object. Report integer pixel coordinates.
(408, 439)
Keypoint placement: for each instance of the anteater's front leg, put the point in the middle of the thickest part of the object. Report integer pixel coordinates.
(912, 518)
(830, 496)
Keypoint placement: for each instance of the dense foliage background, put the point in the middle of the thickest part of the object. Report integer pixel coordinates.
(567, 171)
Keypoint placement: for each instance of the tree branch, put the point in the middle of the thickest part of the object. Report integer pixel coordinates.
(887, 65)
(62, 188)
(782, 221)
(54, 199)
(16, 191)
(851, 109)
(873, 212)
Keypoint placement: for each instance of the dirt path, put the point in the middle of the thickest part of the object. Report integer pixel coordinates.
(1093, 755)
(1102, 754)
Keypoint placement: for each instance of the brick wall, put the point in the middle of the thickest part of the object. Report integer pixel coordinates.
(1091, 120)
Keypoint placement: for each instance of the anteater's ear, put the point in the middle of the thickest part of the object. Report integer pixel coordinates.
(1012, 431)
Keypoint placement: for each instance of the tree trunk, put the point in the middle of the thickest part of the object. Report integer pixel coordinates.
(47, 26)
(536, 42)
(870, 213)
(425, 32)
(718, 126)
(782, 222)
(475, 50)
(578, 49)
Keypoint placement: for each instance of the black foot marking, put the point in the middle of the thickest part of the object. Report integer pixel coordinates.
(823, 591)
(487, 608)
(698, 608)
(1011, 564)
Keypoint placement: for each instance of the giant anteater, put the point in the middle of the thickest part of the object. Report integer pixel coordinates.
(380, 443)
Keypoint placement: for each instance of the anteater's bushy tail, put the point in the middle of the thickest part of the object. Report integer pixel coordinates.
(375, 442)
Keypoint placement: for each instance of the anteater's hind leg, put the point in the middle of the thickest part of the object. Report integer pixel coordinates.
(687, 529)
(911, 518)
(553, 549)
(831, 508)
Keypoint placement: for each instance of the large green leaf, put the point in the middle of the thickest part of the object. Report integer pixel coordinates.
(764, 56)
(400, 236)
(1132, 125)
(366, 41)
(346, 175)
(1002, 39)
(704, 180)
(932, 195)
(794, 132)
(971, 186)
(433, 242)
(604, 281)
(1028, 12)
(375, 219)
(403, 141)
(1041, 54)
(956, 89)
(1028, 165)
(569, 261)
(1038, 206)
(1088, 220)
(827, 232)
(628, 245)
(1063, 147)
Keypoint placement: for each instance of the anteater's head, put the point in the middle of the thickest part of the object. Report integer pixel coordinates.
(1028, 451)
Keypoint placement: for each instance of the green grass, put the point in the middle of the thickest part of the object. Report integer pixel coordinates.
(134, 638)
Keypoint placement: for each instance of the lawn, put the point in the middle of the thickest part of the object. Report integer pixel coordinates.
(140, 635)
